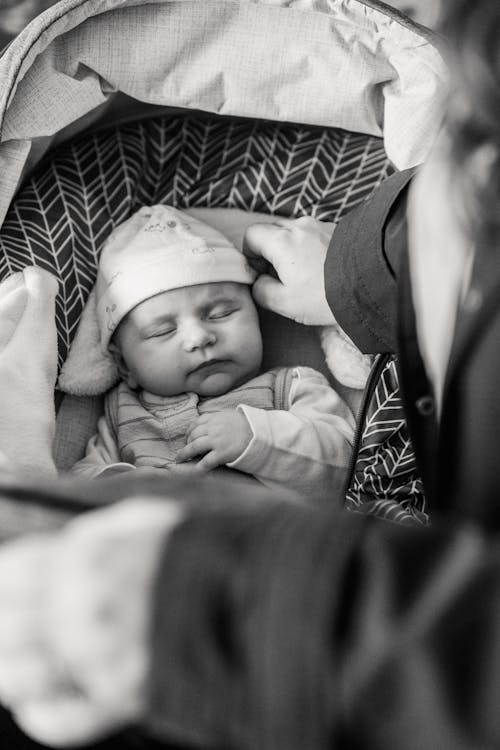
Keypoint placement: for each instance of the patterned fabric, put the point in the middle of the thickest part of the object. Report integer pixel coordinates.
(385, 480)
(65, 212)
(150, 430)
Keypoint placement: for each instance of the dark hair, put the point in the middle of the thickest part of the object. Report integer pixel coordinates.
(472, 31)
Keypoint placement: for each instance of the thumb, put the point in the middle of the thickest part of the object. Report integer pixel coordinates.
(262, 242)
(270, 293)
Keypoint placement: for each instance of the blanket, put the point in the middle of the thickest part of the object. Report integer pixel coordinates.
(28, 371)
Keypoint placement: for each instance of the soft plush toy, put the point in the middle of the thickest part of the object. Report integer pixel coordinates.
(88, 371)
(345, 361)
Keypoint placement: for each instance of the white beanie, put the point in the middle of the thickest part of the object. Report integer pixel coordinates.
(158, 249)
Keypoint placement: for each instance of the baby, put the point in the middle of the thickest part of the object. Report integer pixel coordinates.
(175, 309)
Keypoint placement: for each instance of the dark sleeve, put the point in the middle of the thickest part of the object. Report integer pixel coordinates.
(287, 628)
(362, 265)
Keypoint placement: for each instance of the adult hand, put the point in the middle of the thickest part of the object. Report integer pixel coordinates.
(296, 248)
(74, 621)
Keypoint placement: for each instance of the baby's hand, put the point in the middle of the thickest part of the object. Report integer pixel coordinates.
(220, 438)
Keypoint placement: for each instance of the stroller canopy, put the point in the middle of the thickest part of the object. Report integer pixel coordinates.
(338, 63)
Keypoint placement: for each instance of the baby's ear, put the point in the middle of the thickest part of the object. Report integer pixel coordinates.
(121, 365)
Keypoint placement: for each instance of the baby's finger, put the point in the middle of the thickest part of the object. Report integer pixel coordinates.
(200, 426)
(204, 418)
(196, 432)
(209, 462)
(195, 448)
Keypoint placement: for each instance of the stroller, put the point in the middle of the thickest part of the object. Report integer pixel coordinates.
(238, 110)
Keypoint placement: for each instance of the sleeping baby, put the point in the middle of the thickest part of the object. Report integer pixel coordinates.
(175, 311)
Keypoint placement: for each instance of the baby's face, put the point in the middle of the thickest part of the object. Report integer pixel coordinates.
(204, 339)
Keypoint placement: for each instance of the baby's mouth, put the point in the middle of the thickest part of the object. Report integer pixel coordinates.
(209, 365)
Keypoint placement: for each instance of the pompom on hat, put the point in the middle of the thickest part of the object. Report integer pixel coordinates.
(159, 249)
(156, 250)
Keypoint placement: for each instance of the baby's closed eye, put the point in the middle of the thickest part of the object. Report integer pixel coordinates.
(221, 311)
(163, 331)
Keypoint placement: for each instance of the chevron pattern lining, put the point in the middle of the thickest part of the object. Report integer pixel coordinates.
(386, 481)
(65, 212)
(67, 209)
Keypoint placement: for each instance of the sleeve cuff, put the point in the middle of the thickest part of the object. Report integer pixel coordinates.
(255, 454)
(113, 469)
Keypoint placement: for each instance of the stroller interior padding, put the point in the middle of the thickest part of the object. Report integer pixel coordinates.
(65, 212)
(385, 481)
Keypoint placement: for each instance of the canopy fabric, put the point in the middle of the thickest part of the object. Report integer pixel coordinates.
(339, 63)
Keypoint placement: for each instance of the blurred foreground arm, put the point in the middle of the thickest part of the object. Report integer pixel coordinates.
(253, 625)
(75, 620)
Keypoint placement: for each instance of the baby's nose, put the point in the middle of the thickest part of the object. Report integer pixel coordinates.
(198, 336)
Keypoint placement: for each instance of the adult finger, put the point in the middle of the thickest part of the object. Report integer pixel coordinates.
(195, 448)
(271, 294)
(264, 241)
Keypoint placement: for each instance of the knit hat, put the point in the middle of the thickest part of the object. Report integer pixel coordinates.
(158, 249)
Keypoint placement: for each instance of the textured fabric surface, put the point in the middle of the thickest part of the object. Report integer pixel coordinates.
(68, 65)
(385, 481)
(76, 422)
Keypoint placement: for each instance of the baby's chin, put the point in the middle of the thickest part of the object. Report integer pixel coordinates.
(216, 384)
(214, 381)
(208, 384)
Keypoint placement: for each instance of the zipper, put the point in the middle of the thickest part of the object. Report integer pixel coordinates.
(377, 368)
